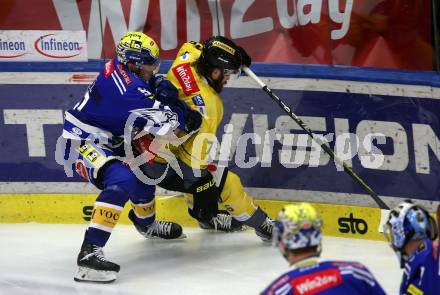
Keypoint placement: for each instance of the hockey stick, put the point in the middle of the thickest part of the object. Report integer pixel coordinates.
(323, 145)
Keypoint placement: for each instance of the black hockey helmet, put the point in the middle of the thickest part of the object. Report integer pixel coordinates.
(220, 52)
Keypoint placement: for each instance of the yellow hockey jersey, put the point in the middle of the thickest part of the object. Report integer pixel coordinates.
(195, 91)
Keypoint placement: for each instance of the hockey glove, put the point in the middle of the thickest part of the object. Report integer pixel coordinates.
(246, 60)
(206, 196)
(193, 120)
(165, 91)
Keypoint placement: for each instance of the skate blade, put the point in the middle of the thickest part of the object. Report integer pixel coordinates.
(181, 237)
(85, 274)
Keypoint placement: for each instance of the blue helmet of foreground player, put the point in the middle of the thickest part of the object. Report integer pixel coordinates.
(298, 226)
(407, 222)
(137, 48)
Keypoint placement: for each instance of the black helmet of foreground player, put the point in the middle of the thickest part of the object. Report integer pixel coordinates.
(220, 60)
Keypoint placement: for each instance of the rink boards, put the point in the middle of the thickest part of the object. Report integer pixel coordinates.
(339, 220)
(404, 107)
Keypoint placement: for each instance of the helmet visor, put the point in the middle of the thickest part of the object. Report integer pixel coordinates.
(232, 73)
(388, 233)
(156, 66)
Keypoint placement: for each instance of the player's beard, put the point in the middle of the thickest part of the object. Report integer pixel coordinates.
(142, 75)
(217, 84)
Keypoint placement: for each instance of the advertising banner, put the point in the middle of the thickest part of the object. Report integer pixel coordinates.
(373, 33)
(388, 133)
(51, 46)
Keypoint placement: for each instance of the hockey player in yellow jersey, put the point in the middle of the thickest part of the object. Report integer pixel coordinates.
(199, 72)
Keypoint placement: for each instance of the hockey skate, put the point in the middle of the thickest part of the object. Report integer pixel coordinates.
(93, 266)
(158, 229)
(222, 222)
(264, 231)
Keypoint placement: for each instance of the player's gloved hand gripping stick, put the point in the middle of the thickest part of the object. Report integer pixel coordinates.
(323, 145)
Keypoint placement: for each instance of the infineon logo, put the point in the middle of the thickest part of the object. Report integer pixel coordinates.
(53, 46)
(10, 48)
(36, 45)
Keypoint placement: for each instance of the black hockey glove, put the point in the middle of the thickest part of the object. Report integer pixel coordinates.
(206, 196)
(165, 91)
(193, 120)
(246, 60)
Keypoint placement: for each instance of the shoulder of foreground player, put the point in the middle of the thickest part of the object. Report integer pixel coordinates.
(424, 251)
(357, 273)
(119, 75)
(281, 284)
(189, 51)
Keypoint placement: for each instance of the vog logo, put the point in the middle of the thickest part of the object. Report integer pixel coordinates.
(53, 46)
(12, 47)
(353, 225)
(107, 214)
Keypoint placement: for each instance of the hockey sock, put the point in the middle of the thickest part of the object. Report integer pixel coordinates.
(144, 212)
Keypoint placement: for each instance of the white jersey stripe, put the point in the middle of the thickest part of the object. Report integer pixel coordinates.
(116, 82)
(359, 277)
(120, 81)
(285, 289)
(357, 270)
(86, 127)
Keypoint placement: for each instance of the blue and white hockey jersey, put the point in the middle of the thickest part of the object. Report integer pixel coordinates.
(421, 275)
(115, 95)
(312, 276)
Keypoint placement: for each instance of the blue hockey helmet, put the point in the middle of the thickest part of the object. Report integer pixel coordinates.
(137, 48)
(406, 222)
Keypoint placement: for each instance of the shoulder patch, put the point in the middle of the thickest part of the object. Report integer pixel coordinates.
(316, 282)
(108, 68)
(421, 247)
(186, 78)
(198, 100)
(124, 74)
(412, 289)
(185, 56)
(278, 283)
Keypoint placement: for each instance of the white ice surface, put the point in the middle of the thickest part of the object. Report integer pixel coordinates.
(41, 259)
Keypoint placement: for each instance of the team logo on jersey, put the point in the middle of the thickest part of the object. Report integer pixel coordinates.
(316, 282)
(186, 78)
(108, 68)
(184, 56)
(198, 100)
(124, 74)
(158, 117)
(144, 92)
(76, 130)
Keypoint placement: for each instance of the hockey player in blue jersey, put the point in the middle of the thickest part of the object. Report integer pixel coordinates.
(411, 232)
(93, 144)
(297, 233)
